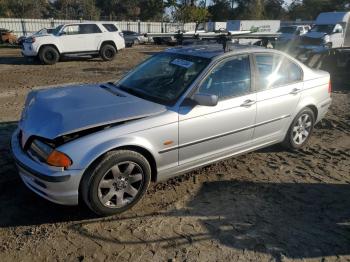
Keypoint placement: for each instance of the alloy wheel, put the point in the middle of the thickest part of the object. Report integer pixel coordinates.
(120, 184)
(302, 129)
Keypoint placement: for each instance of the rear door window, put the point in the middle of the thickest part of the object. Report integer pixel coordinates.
(89, 29)
(276, 70)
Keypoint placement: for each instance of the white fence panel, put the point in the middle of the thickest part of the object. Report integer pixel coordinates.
(28, 26)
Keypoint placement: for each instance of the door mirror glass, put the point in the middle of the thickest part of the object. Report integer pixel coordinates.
(205, 99)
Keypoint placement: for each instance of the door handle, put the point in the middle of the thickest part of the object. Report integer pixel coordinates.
(248, 103)
(295, 91)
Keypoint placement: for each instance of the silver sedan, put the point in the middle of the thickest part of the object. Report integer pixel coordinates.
(178, 110)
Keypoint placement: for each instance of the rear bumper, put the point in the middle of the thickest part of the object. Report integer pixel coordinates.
(323, 109)
(58, 186)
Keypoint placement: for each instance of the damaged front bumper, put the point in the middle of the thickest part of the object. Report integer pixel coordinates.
(54, 184)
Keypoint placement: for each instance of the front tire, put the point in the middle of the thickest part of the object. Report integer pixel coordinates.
(300, 130)
(116, 183)
(108, 52)
(49, 55)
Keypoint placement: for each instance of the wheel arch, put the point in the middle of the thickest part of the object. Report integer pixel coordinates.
(108, 42)
(136, 148)
(314, 109)
(52, 45)
(308, 102)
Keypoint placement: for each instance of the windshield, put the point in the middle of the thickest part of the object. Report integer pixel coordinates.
(57, 30)
(323, 28)
(287, 30)
(41, 32)
(164, 77)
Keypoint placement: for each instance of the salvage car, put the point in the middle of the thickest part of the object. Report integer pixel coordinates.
(181, 109)
(7, 36)
(132, 38)
(43, 31)
(331, 30)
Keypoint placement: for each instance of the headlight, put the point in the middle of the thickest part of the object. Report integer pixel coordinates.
(45, 152)
(30, 40)
(326, 39)
(40, 150)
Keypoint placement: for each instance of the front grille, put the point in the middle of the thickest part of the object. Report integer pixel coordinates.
(311, 41)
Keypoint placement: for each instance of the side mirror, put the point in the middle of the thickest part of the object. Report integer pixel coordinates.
(62, 33)
(205, 99)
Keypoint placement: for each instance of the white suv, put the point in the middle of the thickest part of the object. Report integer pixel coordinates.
(81, 39)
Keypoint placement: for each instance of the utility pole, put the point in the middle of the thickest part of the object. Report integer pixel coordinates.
(162, 16)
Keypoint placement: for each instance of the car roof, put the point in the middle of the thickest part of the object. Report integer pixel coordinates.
(213, 50)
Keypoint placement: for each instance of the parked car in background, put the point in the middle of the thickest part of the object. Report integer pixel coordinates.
(132, 38)
(179, 110)
(44, 31)
(7, 36)
(331, 30)
(290, 35)
(94, 39)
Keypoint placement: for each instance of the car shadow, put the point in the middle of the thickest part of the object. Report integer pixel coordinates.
(17, 61)
(289, 219)
(297, 220)
(34, 61)
(20, 206)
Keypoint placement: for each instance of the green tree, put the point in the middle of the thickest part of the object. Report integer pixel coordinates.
(75, 9)
(273, 9)
(220, 10)
(309, 9)
(151, 10)
(191, 13)
(24, 8)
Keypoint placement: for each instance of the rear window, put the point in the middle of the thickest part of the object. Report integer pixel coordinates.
(110, 27)
(89, 29)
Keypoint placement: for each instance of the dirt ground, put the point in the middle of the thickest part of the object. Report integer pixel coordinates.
(270, 205)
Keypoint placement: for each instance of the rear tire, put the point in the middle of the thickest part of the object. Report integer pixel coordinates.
(108, 52)
(300, 130)
(116, 183)
(49, 55)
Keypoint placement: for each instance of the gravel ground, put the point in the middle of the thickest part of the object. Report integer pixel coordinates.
(269, 205)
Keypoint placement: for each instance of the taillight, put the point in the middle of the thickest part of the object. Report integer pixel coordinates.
(329, 87)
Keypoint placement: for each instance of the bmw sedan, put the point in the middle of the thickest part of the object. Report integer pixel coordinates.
(102, 144)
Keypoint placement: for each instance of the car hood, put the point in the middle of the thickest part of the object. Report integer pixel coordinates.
(315, 34)
(287, 36)
(51, 113)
